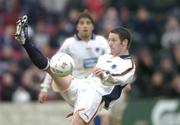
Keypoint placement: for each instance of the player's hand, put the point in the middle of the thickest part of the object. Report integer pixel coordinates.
(98, 72)
(102, 74)
(42, 97)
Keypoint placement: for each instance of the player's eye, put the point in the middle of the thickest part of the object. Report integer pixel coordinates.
(81, 23)
(111, 40)
(88, 22)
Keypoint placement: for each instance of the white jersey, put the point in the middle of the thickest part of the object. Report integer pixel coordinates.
(117, 71)
(85, 54)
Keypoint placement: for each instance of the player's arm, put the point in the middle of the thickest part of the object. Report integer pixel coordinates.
(120, 76)
(123, 75)
(46, 83)
(114, 79)
(42, 97)
(117, 79)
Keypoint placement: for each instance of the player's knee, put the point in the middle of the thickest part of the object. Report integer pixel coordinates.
(77, 123)
(77, 120)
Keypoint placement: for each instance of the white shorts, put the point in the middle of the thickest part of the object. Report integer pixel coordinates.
(82, 97)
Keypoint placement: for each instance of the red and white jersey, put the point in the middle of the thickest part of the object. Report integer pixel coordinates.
(85, 54)
(118, 71)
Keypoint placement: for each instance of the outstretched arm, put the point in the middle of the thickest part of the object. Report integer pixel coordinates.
(115, 79)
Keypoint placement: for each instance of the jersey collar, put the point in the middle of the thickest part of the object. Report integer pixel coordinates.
(78, 38)
(125, 56)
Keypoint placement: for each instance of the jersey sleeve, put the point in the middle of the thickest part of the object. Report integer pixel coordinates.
(122, 80)
(65, 47)
(99, 61)
(123, 75)
(46, 83)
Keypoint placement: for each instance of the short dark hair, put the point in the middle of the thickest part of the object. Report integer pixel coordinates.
(123, 33)
(85, 14)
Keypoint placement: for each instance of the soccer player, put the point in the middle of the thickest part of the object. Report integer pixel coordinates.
(112, 73)
(84, 47)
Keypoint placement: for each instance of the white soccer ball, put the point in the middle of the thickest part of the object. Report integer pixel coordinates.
(61, 64)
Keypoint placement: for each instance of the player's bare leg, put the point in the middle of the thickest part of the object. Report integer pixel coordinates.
(62, 83)
(77, 120)
(91, 122)
(35, 55)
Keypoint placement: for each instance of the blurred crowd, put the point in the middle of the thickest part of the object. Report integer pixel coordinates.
(155, 26)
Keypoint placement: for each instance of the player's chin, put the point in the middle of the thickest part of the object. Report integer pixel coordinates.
(86, 31)
(112, 51)
(85, 35)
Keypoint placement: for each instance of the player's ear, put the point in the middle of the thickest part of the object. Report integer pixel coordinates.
(77, 28)
(125, 42)
(93, 28)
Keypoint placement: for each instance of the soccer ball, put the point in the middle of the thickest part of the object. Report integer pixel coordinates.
(61, 64)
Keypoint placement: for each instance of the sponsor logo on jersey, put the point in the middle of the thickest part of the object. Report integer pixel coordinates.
(89, 63)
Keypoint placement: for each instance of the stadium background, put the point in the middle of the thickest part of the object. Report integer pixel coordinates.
(155, 26)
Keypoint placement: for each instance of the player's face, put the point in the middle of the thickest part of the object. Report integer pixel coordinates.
(85, 27)
(115, 44)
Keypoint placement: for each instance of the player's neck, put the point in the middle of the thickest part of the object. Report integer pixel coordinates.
(121, 53)
(85, 38)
